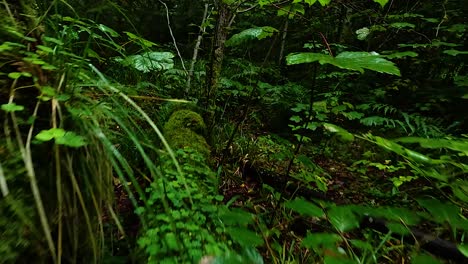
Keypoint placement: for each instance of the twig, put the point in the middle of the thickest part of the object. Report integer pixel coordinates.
(172, 35)
(196, 48)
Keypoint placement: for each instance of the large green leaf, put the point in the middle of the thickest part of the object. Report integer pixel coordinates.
(341, 132)
(398, 214)
(245, 237)
(444, 212)
(236, 216)
(417, 157)
(453, 144)
(355, 61)
(424, 259)
(304, 207)
(149, 61)
(316, 240)
(343, 218)
(251, 34)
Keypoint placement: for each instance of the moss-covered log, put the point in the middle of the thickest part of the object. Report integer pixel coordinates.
(186, 129)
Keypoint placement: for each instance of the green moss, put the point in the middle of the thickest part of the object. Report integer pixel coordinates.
(185, 119)
(185, 129)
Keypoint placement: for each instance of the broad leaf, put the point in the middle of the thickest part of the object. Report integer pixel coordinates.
(424, 259)
(62, 137)
(453, 52)
(143, 42)
(149, 61)
(356, 61)
(341, 132)
(400, 25)
(304, 207)
(236, 216)
(324, 2)
(316, 240)
(362, 33)
(70, 139)
(46, 135)
(399, 55)
(463, 248)
(444, 212)
(381, 2)
(245, 237)
(343, 218)
(453, 144)
(12, 107)
(250, 34)
(109, 30)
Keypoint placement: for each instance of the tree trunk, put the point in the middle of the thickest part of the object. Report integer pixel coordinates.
(217, 55)
(195, 50)
(283, 41)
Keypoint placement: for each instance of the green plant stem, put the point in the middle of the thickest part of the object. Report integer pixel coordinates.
(25, 149)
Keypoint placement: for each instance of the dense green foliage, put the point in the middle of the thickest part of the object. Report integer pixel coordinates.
(227, 131)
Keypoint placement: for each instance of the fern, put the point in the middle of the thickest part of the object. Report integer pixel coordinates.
(410, 123)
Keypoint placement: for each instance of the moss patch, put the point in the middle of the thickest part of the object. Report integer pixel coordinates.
(185, 129)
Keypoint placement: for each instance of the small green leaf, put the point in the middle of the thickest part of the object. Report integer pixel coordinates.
(453, 52)
(63, 97)
(109, 30)
(401, 25)
(324, 2)
(309, 2)
(295, 119)
(48, 90)
(14, 75)
(250, 34)
(46, 135)
(6, 47)
(49, 67)
(71, 139)
(304, 207)
(143, 42)
(399, 55)
(362, 33)
(381, 2)
(12, 107)
(53, 40)
(45, 49)
(171, 241)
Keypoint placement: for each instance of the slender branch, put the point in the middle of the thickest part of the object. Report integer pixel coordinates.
(172, 35)
(196, 48)
(283, 40)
